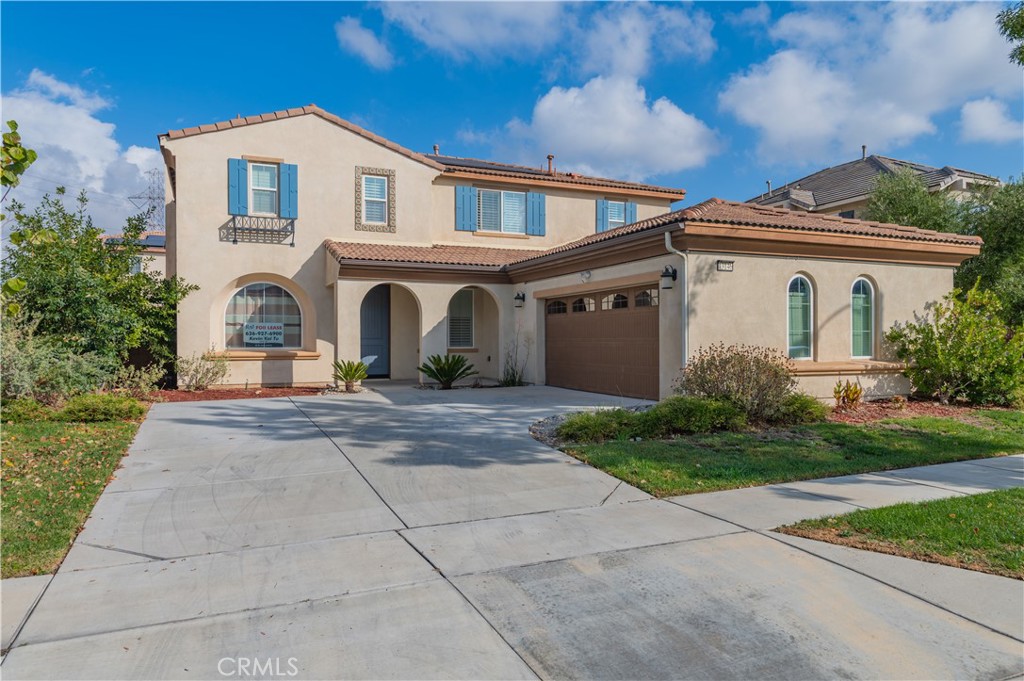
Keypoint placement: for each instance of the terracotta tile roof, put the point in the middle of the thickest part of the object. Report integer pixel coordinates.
(303, 111)
(478, 256)
(454, 164)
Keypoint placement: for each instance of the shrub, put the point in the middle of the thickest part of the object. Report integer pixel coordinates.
(755, 379)
(801, 408)
(690, 415)
(43, 368)
(447, 369)
(963, 350)
(137, 382)
(598, 426)
(514, 367)
(101, 407)
(26, 409)
(848, 395)
(199, 372)
(350, 372)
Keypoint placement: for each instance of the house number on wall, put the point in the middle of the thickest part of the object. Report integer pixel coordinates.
(725, 265)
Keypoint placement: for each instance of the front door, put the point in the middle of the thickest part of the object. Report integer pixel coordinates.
(375, 330)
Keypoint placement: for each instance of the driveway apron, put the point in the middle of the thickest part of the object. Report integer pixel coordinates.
(404, 533)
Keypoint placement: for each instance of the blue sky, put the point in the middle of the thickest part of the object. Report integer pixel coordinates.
(712, 97)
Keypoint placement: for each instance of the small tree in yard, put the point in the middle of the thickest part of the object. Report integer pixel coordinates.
(964, 350)
(83, 290)
(757, 380)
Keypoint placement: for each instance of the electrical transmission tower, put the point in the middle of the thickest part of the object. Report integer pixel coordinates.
(152, 200)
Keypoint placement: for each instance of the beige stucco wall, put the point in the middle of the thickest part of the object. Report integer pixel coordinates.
(200, 248)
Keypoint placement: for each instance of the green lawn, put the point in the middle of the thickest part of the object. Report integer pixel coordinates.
(980, 532)
(704, 463)
(50, 478)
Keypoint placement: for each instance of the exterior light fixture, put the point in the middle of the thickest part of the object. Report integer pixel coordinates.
(585, 276)
(668, 277)
(519, 299)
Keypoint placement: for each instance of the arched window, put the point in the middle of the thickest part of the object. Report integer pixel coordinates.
(262, 316)
(646, 298)
(557, 307)
(862, 311)
(616, 301)
(799, 322)
(585, 304)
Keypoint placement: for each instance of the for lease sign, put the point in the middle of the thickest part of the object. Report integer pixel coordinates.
(264, 335)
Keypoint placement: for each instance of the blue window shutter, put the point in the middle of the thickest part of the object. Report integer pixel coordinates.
(289, 190)
(535, 214)
(465, 208)
(630, 212)
(602, 215)
(238, 186)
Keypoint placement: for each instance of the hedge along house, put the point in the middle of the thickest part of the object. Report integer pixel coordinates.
(399, 255)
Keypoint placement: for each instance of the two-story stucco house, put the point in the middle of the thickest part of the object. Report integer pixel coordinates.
(312, 240)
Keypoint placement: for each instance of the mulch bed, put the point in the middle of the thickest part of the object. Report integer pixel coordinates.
(894, 409)
(231, 394)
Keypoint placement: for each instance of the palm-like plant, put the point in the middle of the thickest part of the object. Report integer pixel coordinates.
(447, 369)
(349, 372)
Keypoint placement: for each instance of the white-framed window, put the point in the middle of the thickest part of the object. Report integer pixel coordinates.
(501, 211)
(800, 318)
(375, 199)
(862, 319)
(262, 315)
(616, 214)
(136, 266)
(263, 189)
(460, 319)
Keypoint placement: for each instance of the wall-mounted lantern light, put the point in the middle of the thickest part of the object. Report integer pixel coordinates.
(519, 299)
(668, 277)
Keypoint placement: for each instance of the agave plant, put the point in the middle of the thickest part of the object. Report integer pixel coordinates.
(447, 369)
(349, 372)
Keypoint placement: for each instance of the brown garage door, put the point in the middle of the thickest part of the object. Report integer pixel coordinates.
(604, 342)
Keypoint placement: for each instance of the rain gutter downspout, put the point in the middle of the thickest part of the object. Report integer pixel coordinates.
(686, 296)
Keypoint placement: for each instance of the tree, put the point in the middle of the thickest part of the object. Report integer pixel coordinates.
(84, 290)
(902, 198)
(1011, 25)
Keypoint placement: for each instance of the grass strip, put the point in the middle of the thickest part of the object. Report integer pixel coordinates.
(50, 477)
(983, 532)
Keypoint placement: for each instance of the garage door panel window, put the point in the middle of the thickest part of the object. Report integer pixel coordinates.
(557, 307)
(863, 327)
(615, 301)
(648, 297)
(583, 305)
(799, 318)
(262, 316)
(460, 320)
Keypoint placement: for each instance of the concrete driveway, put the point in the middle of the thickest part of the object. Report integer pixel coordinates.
(414, 534)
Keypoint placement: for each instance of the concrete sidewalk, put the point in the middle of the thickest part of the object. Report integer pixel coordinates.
(414, 534)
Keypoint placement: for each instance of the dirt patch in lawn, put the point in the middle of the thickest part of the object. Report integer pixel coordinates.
(900, 409)
(231, 394)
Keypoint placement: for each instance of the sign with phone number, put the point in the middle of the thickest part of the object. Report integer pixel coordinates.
(264, 335)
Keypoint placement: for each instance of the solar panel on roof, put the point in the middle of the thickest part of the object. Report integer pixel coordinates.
(486, 165)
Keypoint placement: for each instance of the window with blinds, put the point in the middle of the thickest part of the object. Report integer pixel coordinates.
(460, 320)
(616, 214)
(500, 211)
(262, 316)
(375, 199)
(263, 184)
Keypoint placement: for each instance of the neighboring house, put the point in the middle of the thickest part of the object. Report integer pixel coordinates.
(153, 257)
(389, 253)
(844, 189)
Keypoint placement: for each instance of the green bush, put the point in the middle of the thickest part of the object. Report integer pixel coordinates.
(964, 350)
(447, 369)
(350, 372)
(42, 368)
(137, 382)
(199, 372)
(801, 408)
(101, 407)
(26, 409)
(598, 426)
(690, 415)
(755, 379)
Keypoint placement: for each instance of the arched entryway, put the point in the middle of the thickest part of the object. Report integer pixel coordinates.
(473, 329)
(389, 331)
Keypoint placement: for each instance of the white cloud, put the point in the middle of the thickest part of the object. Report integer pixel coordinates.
(758, 15)
(76, 148)
(356, 39)
(848, 75)
(481, 29)
(609, 127)
(988, 120)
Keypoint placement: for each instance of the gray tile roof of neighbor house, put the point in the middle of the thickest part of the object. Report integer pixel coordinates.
(856, 179)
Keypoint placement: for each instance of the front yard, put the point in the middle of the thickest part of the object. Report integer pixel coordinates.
(726, 460)
(52, 475)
